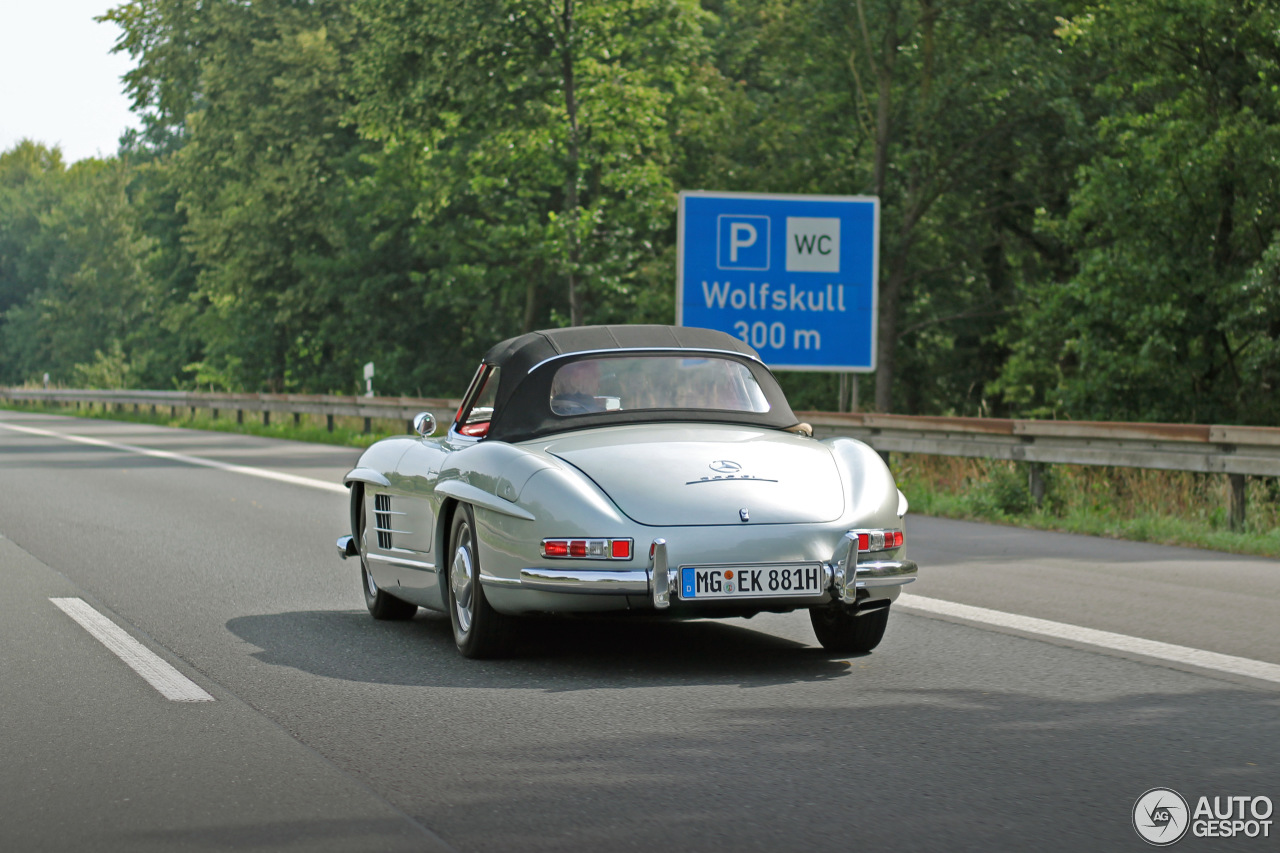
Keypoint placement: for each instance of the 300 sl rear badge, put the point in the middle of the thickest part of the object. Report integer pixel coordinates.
(727, 469)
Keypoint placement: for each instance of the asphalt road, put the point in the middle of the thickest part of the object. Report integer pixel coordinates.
(329, 731)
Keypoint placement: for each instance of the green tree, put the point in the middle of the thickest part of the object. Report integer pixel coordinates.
(77, 291)
(958, 116)
(30, 176)
(543, 148)
(1173, 313)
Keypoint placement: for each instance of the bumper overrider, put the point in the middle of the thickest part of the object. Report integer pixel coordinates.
(848, 571)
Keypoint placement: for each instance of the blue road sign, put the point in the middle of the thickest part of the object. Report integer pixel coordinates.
(794, 276)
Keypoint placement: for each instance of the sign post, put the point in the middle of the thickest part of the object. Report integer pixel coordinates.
(793, 276)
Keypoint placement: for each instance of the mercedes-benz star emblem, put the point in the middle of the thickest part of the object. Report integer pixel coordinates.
(725, 466)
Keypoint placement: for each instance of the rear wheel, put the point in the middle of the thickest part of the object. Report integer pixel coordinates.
(478, 630)
(840, 628)
(381, 604)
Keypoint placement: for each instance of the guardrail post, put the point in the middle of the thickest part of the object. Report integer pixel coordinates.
(1035, 483)
(266, 418)
(368, 425)
(329, 422)
(239, 416)
(1238, 500)
(297, 419)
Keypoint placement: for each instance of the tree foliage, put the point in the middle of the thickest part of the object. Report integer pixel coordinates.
(1079, 200)
(1171, 313)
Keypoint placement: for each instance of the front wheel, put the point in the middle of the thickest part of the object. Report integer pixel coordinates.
(478, 630)
(840, 628)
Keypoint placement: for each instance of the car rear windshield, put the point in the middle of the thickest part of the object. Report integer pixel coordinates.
(631, 383)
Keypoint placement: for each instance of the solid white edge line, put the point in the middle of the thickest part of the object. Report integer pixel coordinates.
(172, 684)
(337, 488)
(1247, 667)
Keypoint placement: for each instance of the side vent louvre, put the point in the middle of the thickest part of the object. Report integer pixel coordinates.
(382, 520)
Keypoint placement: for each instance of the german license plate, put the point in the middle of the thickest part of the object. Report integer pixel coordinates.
(763, 581)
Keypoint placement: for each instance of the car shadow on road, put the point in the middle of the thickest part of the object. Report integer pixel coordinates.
(552, 654)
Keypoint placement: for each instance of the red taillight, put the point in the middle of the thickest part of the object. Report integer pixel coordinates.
(587, 549)
(879, 540)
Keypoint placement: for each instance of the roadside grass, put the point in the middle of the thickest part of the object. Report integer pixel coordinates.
(1164, 507)
(347, 431)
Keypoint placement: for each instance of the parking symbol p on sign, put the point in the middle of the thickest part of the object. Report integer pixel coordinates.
(742, 242)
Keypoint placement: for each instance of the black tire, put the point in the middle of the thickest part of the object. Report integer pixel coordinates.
(843, 630)
(478, 630)
(382, 604)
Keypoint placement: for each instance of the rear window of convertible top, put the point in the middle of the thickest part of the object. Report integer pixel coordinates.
(630, 383)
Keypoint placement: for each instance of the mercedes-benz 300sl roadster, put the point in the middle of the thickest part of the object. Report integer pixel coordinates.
(602, 469)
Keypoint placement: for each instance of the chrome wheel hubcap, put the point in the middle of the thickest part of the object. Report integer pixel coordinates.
(461, 581)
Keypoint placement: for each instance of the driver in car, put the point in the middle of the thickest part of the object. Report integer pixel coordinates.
(573, 391)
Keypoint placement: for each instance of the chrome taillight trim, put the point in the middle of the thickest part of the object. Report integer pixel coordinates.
(878, 538)
(606, 545)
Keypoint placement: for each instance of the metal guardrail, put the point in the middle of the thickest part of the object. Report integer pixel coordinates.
(1173, 447)
(398, 408)
(1236, 451)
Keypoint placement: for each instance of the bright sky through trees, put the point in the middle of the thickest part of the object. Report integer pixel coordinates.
(61, 84)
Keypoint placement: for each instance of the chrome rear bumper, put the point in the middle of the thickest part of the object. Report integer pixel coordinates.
(581, 581)
(657, 581)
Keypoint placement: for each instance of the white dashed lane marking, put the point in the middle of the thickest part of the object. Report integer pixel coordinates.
(172, 684)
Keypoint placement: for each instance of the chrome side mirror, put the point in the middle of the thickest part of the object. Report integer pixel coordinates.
(424, 424)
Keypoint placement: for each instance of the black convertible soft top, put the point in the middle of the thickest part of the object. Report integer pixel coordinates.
(522, 407)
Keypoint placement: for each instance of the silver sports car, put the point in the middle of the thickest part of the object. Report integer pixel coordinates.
(626, 468)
